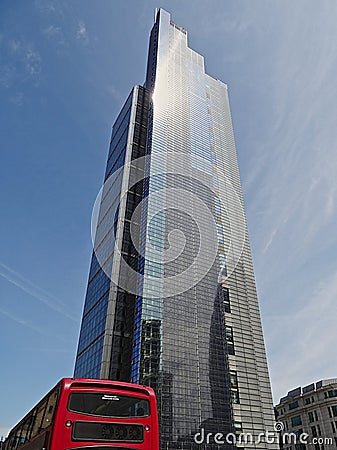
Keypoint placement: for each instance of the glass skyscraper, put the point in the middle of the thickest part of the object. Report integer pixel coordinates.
(171, 299)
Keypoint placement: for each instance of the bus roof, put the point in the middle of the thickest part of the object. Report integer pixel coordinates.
(98, 383)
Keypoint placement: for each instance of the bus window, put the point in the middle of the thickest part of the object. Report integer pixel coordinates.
(14, 440)
(31, 424)
(24, 435)
(50, 408)
(39, 414)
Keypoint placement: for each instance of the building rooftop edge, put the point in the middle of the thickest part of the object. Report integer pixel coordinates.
(183, 30)
(307, 389)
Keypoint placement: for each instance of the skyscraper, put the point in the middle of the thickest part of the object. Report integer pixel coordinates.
(171, 299)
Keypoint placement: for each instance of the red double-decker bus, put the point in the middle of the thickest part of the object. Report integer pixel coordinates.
(85, 414)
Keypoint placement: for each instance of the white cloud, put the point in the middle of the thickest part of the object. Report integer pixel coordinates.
(81, 33)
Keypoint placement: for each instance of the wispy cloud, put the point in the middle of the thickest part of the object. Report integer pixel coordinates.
(20, 321)
(15, 318)
(24, 323)
(294, 169)
(7, 75)
(32, 61)
(300, 342)
(24, 63)
(35, 291)
(55, 33)
(17, 99)
(292, 189)
(52, 31)
(114, 92)
(82, 33)
(224, 25)
(45, 6)
(14, 45)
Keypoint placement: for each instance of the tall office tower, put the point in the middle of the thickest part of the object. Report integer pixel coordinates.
(171, 299)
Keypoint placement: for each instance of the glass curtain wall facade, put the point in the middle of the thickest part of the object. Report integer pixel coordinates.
(106, 336)
(176, 307)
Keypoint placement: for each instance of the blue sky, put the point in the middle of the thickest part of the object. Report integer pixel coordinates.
(66, 67)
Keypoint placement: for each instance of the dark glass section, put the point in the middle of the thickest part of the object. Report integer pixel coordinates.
(118, 140)
(221, 393)
(152, 57)
(125, 310)
(88, 363)
(93, 324)
(98, 287)
(91, 339)
(121, 350)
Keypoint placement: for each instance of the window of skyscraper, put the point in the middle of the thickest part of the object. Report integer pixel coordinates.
(226, 299)
(230, 340)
